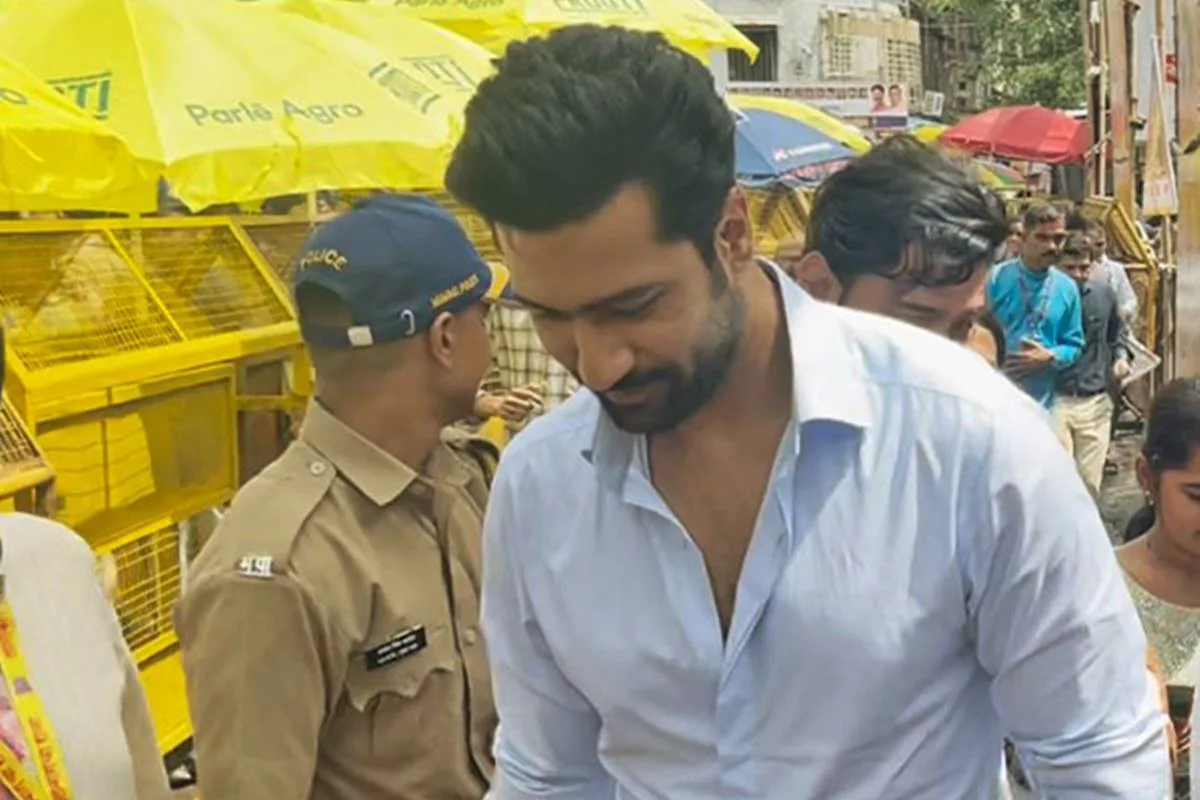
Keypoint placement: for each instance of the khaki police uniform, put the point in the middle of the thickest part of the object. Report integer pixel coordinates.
(330, 628)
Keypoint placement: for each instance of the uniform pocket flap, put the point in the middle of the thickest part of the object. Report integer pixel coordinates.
(403, 676)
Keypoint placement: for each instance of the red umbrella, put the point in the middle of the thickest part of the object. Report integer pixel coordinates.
(1027, 133)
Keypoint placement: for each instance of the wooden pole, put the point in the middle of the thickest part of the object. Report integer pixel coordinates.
(1104, 103)
(1120, 85)
(1091, 78)
(1187, 287)
(1166, 243)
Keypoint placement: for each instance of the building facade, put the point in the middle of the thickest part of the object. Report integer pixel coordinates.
(830, 53)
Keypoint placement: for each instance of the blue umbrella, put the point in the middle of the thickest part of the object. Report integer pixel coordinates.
(771, 148)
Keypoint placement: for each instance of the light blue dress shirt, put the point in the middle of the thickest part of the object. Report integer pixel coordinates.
(928, 574)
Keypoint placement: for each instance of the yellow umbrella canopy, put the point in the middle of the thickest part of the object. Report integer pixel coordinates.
(234, 103)
(437, 67)
(53, 156)
(493, 27)
(928, 132)
(836, 129)
(690, 24)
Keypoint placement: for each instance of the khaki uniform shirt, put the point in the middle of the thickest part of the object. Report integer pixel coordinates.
(336, 559)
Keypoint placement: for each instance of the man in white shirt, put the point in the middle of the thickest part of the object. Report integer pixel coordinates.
(779, 550)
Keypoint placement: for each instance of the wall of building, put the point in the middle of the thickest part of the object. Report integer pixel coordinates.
(799, 29)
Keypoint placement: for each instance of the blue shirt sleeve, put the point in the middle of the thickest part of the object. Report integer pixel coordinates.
(1054, 623)
(548, 741)
(1070, 339)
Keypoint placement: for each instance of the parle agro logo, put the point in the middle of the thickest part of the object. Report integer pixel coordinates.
(450, 6)
(420, 82)
(92, 93)
(633, 7)
(243, 113)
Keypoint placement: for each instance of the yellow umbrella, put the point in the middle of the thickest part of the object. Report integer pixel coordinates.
(493, 27)
(53, 156)
(236, 103)
(928, 132)
(437, 67)
(837, 129)
(690, 24)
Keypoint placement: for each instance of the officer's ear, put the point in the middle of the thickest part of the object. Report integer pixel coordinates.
(443, 338)
(813, 273)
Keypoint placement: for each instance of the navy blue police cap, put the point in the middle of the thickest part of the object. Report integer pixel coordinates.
(395, 262)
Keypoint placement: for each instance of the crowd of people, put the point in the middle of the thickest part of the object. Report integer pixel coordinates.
(822, 526)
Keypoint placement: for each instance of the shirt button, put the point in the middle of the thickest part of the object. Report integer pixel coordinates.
(317, 468)
(470, 637)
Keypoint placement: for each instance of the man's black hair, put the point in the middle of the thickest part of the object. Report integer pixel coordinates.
(903, 211)
(570, 119)
(1042, 214)
(878, 86)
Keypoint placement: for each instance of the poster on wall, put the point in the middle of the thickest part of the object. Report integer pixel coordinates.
(863, 100)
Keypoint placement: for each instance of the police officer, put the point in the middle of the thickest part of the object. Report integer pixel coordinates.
(330, 627)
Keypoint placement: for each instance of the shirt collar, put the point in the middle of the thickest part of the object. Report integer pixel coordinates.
(375, 473)
(827, 378)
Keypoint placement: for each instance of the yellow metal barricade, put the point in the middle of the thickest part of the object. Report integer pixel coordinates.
(779, 214)
(25, 475)
(142, 356)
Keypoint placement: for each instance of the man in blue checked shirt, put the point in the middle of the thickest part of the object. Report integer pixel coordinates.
(1039, 306)
(778, 550)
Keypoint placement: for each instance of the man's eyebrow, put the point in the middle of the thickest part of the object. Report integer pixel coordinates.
(635, 293)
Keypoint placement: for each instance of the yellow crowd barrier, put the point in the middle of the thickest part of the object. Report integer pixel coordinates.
(145, 360)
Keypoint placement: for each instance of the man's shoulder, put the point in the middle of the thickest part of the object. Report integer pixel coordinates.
(567, 429)
(268, 516)
(26, 539)
(1063, 283)
(550, 453)
(1101, 293)
(896, 356)
(1000, 270)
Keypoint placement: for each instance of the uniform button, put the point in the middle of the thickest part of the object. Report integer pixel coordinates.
(470, 637)
(317, 468)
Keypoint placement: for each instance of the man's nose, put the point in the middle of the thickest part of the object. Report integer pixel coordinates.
(601, 358)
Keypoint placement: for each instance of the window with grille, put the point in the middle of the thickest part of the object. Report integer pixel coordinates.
(903, 62)
(839, 56)
(766, 68)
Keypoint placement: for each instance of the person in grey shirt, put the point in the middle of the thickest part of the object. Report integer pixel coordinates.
(1083, 403)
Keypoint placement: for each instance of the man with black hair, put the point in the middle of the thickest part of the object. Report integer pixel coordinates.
(330, 627)
(878, 98)
(904, 232)
(777, 549)
(1083, 407)
(1038, 305)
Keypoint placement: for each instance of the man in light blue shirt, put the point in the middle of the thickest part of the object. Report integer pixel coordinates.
(780, 550)
(1039, 306)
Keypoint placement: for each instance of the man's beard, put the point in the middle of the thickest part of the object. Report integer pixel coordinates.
(677, 392)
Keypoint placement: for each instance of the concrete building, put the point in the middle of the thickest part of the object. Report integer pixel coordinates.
(829, 52)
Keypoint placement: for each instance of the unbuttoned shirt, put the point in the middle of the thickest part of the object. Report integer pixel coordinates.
(927, 575)
(330, 628)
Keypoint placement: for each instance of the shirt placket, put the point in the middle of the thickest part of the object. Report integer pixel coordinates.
(464, 596)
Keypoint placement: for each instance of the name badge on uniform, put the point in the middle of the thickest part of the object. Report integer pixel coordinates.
(402, 645)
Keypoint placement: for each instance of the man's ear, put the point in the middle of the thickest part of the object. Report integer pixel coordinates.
(442, 339)
(733, 238)
(812, 272)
